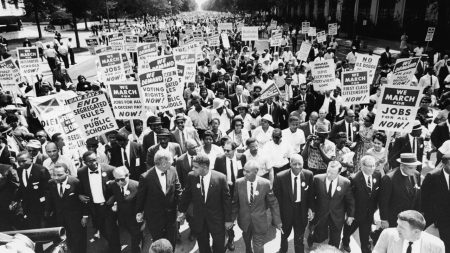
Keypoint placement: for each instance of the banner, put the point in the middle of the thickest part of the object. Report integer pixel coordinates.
(303, 53)
(397, 108)
(355, 87)
(332, 29)
(261, 45)
(102, 49)
(29, 62)
(323, 74)
(9, 76)
(185, 58)
(110, 67)
(225, 27)
(275, 38)
(162, 62)
(430, 34)
(126, 100)
(271, 91)
(403, 71)
(367, 62)
(249, 33)
(93, 113)
(312, 31)
(116, 41)
(145, 53)
(321, 37)
(131, 42)
(153, 88)
(305, 27)
(225, 41)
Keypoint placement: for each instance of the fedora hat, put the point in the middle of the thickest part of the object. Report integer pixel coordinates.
(180, 116)
(164, 132)
(408, 159)
(242, 105)
(417, 125)
(217, 103)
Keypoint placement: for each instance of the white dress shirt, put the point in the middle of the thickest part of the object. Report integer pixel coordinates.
(261, 136)
(127, 151)
(280, 157)
(95, 182)
(326, 104)
(162, 179)
(347, 125)
(206, 180)
(254, 189)
(333, 185)
(299, 192)
(64, 183)
(447, 179)
(235, 168)
(371, 180)
(25, 174)
(415, 247)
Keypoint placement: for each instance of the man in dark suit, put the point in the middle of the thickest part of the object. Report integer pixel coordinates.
(164, 143)
(34, 147)
(229, 165)
(408, 143)
(278, 114)
(435, 193)
(208, 191)
(129, 154)
(308, 97)
(94, 192)
(385, 58)
(321, 99)
(349, 126)
(151, 138)
(400, 190)
(158, 196)
(9, 183)
(238, 98)
(333, 201)
(309, 127)
(293, 189)
(184, 164)
(366, 187)
(440, 134)
(123, 201)
(63, 202)
(252, 197)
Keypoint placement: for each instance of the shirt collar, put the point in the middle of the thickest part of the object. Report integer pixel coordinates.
(208, 175)
(158, 171)
(293, 175)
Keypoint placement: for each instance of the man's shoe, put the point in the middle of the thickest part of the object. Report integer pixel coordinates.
(346, 248)
(230, 246)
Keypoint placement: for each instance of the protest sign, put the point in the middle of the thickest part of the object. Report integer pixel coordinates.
(397, 108)
(312, 31)
(321, 37)
(185, 58)
(271, 91)
(126, 100)
(28, 58)
(116, 41)
(275, 39)
(149, 39)
(249, 33)
(305, 27)
(93, 113)
(92, 42)
(198, 36)
(102, 49)
(162, 37)
(367, 62)
(261, 45)
(131, 42)
(430, 34)
(190, 48)
(225, 41)
(214, 41)
(403, 71)
(110, 67)
(190, 71)
(355, 87)
(9, 76)
(303, 53)
(332, 29)
(153, 88)
(323, 74)
(174, 91)
(146, 52)
(162, 62)
(126, 64)
(225, 27)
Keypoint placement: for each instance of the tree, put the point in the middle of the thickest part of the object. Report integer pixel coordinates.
(38, 8)
(78, 9)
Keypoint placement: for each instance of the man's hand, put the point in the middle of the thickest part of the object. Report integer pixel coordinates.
(384, 224)
(84, 198)
(350, 220)
(84, 221)
(139, 217)
(181, 217)
(310, 215)
(280, 227)
(114, 207)
(229, 225)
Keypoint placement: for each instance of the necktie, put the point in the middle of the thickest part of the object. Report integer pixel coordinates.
(233, 178)
(125, 159)
(270, 109)
(369, 183)
(349, 132)
(183, 141)
(295, 188)
(409, 249)
(121, 191)
(312, 129)
(27, 176)
(239, 99)
(329, 188)
(93, 172)
(251, 194)
(431, 81)
(414, 145)
(192, 164)
(61, 190)
(203, 188)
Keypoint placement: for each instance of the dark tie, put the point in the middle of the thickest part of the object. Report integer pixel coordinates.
(295, 188)
(415, 145)
(61, 190)
(121, 191)
(183, 141)
(369, 183)
(251, 193)
(93, 172)
(409, 184)
(349, 133)
(431, 81)
(233, 178)
(192, 163)
(409, 249)
(27, 176)
(203, 188)
(329, 188)
(125, 159)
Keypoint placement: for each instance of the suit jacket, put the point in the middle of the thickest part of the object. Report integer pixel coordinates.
(220, 165)
(191, 133)
(217, 208)
(69, 205)
(318, 102)
(282, 187)
(390, 242)
(159, 208)
(385, 58)
(107, 177)
(174, 148)
(235, 102)
(341, 203)
(183, 168)
(309, 99)
(149, 140)
(395, 197)
(435, 199)
(278, 114)
(126, 202)
(366, 199)
(33, 195)
(9, 183)
(255, 214)
(305, 128)
(340, 127)
(440, 134)
(136, 159)
(401, 145)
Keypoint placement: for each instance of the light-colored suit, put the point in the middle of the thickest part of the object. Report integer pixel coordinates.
(252, 219)
(390, 242)
(191, 134)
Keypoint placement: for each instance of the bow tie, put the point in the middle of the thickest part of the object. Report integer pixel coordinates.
(93, 172)
(164, 173)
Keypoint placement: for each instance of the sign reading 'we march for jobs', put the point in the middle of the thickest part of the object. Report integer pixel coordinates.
(397, 108)
(111, 67)
(355, 88)
(126, 100)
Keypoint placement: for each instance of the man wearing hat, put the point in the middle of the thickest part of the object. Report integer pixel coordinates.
(221, 112)
(164, 144)
(400, 190)
(183, 133)
(318, 151)
(408, 143)
(435, 205)
(155, 125)
(34, 148)
(291, 89)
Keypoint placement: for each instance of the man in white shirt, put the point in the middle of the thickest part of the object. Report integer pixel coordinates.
(429, 80)
(294, 135)
(55, 158)
(279, 160)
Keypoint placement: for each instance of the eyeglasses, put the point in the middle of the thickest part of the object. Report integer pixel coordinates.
(238, 125)
(120, 179)
(227, 150)
(90, 161)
